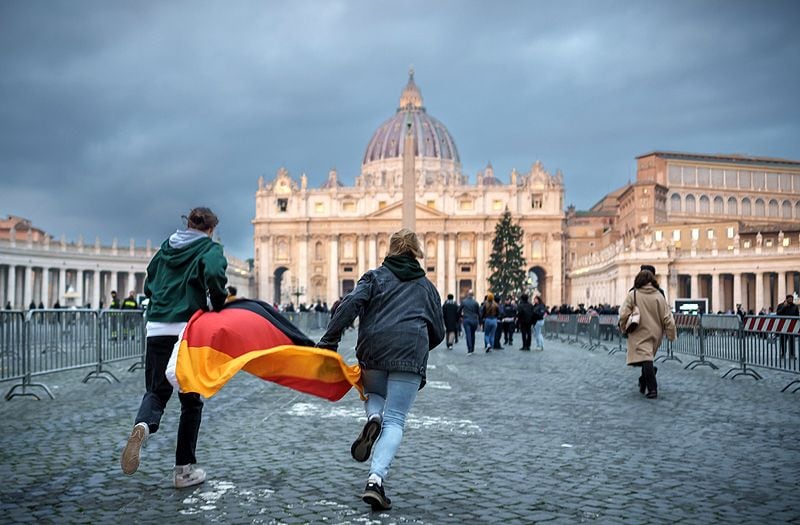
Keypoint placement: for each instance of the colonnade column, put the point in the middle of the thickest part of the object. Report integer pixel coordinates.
(333, 269)
(452, 282)
(27, 295)
(737, 290)
(781, 287)
(45, 299)
(440, 278)
(695, 286)
(62, 286)
(480, 264)
(96, 288)
(12, 285)
(716, 302)
(131, 283)
(759, 291)
(79, 288)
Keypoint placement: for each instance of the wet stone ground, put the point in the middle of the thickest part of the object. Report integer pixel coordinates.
(560, 436)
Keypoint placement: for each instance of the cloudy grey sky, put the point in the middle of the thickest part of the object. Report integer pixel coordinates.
(117, 117)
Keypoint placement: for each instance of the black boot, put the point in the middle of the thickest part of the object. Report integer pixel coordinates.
(650, 379)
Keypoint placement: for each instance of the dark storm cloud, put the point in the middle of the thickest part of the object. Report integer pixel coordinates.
(116, 118)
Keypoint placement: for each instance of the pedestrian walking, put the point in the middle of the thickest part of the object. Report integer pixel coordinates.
(184, 274)
(470, 315)
(539, 313)
(655, 321)
(489, 313)
(525, 320)
(400, 322)
(509, 321)
(450, 315)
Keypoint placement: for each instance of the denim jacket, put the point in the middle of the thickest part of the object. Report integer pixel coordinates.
(400, 322)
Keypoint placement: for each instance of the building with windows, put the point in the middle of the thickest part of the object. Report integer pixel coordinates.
(721, 227)
(314, 243)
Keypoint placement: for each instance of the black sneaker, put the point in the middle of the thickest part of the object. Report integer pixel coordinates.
(374, 496)
(362, 446)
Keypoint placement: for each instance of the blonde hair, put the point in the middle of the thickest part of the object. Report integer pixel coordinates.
(404, 242)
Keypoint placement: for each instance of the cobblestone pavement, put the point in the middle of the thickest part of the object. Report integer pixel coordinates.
(560, 436)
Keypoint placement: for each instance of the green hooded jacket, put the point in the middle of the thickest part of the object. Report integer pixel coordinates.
(178, 278)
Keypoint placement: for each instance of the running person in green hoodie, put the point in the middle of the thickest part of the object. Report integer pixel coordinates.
(400, 322)
(187, 274)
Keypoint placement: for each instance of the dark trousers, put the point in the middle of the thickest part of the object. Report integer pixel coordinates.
(525, 330)
(508, 332)
(649, 375)
(159, 390)
(470, 325)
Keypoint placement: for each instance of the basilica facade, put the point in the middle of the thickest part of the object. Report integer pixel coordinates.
(313, 244)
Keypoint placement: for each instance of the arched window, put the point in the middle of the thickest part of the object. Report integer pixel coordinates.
(536, 249)
(430, 250)
(719, 206)
(690, 203)
(773, 208)
(733, 206)
(348, 249)
(786, 210)
(318, 253)
(705, 205)
(675, 203)
(465, 248)
(746, 209)
(382, 248)
(759, 208)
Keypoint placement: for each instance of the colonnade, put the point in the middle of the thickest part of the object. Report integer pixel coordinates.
(754, 290)
(24, 284)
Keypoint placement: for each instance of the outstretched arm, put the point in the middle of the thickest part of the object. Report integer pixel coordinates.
(351, 307)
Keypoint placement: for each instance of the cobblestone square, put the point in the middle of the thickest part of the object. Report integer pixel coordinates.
(560, 436)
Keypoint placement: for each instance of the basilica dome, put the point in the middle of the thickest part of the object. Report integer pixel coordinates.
(431, 138)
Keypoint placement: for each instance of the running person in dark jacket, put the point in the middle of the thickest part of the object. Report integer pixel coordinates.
(185, 275)
(400, 322)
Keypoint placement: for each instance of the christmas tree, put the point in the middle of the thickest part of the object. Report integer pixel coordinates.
(506, 261)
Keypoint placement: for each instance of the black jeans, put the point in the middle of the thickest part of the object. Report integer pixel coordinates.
(159, 390)
(649, 375)
(525, 330)
(508, 332)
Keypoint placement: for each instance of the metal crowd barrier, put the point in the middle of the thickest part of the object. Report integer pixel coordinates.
(308, 321)
(41, 342)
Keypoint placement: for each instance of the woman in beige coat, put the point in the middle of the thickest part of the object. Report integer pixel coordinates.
(655, 322)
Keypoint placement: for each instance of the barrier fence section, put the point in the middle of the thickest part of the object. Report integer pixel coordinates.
(308, 321)
(39, 342)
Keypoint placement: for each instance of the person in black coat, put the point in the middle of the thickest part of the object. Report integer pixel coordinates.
(509, 321)
(525, 321)
(450, 315)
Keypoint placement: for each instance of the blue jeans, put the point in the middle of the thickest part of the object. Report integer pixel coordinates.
(537, 331)
(390, 394)
(470, 325)
(489, 328)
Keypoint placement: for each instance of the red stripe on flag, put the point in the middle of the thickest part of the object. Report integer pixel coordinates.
(235, 332)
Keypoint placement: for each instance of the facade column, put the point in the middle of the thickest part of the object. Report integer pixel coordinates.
(333, 270)
(45, 298)
(480, 267)
(96, 288)
(781, 287)
(373, 251)
(79, 288)
(302, 271)
(440, 267)
(12, 285)
(716, 300)
(362, 256)
(737, 291)
(759, 291)
(131, 283)
(265, 269)
(452, 281)
(695, 286)
(27, 295)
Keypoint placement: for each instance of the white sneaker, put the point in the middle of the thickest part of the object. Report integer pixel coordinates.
(187, 476)
(130, 454)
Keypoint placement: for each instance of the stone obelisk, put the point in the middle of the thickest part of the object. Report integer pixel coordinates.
(409, 180)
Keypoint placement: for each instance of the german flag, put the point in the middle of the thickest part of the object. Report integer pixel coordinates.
(252, 336)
